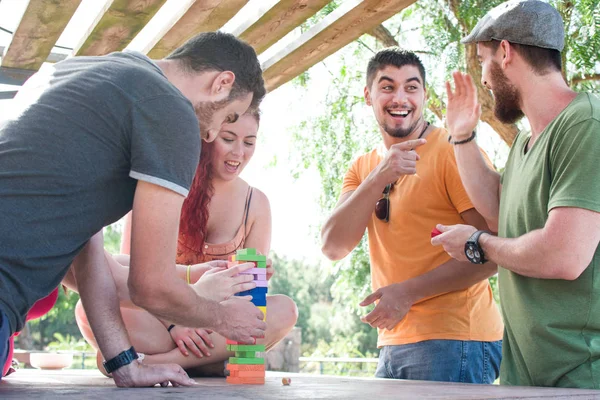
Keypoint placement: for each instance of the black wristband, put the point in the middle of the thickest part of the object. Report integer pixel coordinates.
(467, 140)
(170, 327)
(122, 359)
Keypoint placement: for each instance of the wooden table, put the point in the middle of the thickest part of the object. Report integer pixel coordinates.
(87, 384)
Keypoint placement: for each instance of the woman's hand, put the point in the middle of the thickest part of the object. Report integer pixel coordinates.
(196, 340)
(219, 284)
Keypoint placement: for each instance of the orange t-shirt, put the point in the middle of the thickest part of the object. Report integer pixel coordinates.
(400, 249)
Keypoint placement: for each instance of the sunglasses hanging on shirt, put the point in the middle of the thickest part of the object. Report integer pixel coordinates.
(382, 207)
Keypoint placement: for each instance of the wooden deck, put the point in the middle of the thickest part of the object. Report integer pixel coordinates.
(85, 384)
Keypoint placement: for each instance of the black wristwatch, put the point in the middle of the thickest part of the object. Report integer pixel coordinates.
(473, 250)
(122, 359)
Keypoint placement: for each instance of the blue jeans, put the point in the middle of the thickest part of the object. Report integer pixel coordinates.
(4, 337)
(442, 360)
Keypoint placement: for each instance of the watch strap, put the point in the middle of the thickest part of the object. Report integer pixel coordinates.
(120, 360)
(474, 239)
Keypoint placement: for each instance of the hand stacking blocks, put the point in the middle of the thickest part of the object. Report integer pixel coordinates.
(246, 367)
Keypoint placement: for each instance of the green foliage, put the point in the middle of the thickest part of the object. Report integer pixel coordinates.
(309, 287)
(112, 238)
(60, 319)
(68, 342)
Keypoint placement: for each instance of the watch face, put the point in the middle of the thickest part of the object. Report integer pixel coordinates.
(472, 253)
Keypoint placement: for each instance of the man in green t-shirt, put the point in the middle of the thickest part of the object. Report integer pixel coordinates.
(546, 204)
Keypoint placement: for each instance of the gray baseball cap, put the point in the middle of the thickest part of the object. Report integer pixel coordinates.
(529, 22)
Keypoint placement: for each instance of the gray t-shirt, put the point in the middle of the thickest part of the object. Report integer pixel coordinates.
(85, 130)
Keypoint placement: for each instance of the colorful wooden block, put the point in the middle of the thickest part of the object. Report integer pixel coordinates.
(259, 301)
(245, 354)
(256, 259)
(259, 291)
(261, 264)
(246, 347)
(247, 251)
(246, 367)
(231, 342)
(239, 360)
(261, 283)
(247, 374)
(245, 381)
(255, 271)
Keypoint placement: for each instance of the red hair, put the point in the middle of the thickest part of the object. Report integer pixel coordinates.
(193, 223)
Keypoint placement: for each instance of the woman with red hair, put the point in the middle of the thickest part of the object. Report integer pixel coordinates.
(221, 214)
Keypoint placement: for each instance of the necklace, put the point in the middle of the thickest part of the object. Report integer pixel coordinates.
(424, 129)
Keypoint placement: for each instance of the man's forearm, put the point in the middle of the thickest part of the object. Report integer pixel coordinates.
(531, 255)
(174, 300)
(346, 226)
(481, 183)
(451, 276)
(99, 298)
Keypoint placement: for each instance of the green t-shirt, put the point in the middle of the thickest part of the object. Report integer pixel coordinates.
(552, 326)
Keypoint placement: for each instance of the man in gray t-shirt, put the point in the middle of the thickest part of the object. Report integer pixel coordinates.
(93, 137)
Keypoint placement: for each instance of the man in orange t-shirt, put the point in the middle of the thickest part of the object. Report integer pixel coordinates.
(436, 316)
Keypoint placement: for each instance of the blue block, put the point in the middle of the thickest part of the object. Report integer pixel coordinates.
(256, 292)
(259, 295)
(260, 301)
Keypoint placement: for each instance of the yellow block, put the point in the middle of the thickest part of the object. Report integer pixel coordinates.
(264, 311)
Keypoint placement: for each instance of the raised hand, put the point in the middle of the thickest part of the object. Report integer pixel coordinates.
(463, 110)
(394, 303)
(196, 340)
(220, 284)
(241, 321)
(400, 159)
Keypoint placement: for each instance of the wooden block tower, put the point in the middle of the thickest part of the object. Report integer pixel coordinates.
(246, 367)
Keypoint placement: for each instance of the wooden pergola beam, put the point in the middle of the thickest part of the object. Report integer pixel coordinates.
(346, 24)
(116, 26)
(277, 22)
(42, 24)
(202, 16)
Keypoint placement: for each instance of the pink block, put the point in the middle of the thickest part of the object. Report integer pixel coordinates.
(255, 271)
(261, 283)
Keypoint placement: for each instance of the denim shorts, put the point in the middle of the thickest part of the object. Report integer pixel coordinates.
(4, 337)
(442, 360)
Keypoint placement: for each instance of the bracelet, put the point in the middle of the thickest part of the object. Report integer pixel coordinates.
(187, 275)
(467, 140)
(170, 327)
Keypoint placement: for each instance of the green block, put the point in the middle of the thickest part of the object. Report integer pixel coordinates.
(261, 264)
(248, 251)
(246, 347)
(246, 361)
(251, 257)
(245, 354)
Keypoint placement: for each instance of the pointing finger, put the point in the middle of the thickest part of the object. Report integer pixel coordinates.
(409, 144)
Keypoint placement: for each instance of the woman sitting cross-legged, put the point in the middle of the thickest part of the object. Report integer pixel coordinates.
(221, 214)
